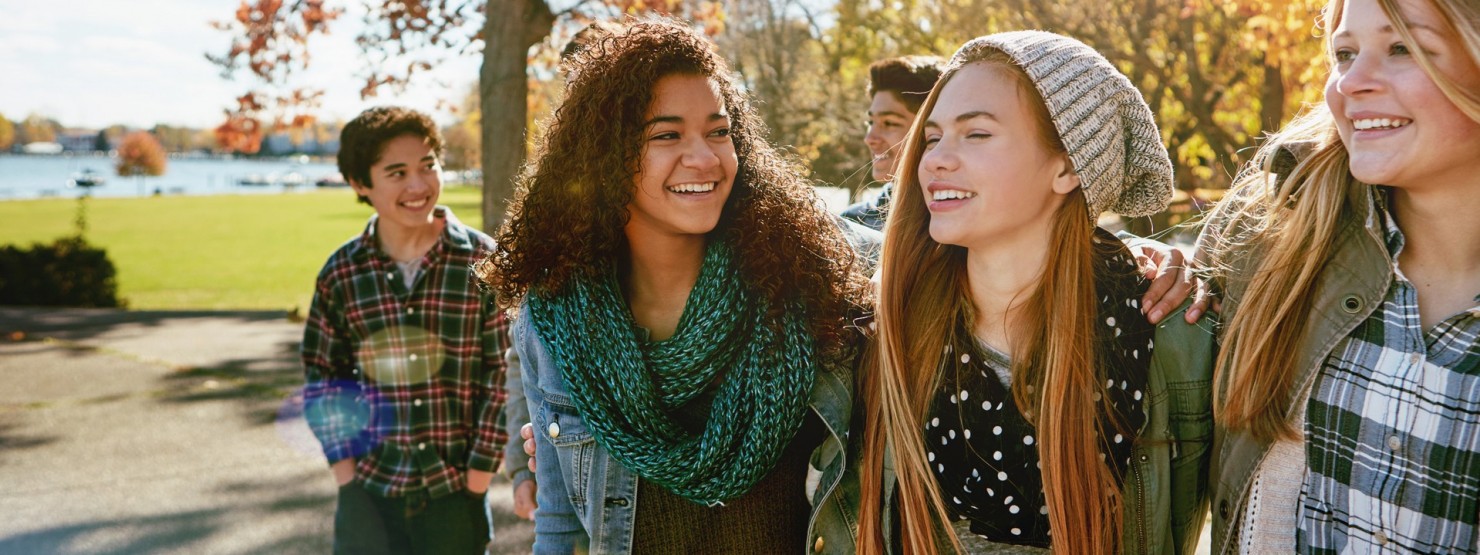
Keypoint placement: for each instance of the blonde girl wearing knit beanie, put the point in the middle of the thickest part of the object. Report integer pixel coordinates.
(1349, 253)
(1017, 399)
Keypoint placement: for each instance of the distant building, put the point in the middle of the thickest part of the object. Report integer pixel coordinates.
(42, 148)
(281, 144)
(78, 140)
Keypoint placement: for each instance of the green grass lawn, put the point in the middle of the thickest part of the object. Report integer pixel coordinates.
(212, 252)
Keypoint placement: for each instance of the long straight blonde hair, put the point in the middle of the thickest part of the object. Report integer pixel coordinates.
(922, 300)
(1293, 221)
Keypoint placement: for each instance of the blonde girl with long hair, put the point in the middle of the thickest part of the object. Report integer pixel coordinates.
(1017, 399)
(1348, 394)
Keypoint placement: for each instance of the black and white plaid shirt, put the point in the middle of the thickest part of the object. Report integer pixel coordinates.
(1393, 432)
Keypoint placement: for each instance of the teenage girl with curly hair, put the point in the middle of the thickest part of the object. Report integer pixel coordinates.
(685, 309)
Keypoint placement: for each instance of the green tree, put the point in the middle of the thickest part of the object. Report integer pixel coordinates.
(1216, 73)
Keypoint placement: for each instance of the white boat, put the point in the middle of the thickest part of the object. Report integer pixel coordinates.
(86, 178)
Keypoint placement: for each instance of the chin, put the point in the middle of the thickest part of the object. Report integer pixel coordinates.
(945, 236)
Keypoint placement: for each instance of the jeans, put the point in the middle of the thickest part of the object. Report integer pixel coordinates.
(365, 523)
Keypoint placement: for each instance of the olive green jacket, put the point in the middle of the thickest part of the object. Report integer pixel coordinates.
(1354, 280)
(1166, 488)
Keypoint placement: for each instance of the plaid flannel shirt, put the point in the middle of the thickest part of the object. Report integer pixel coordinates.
(408, 382)
(1393, 432)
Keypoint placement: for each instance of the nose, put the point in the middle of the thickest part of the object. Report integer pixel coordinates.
(423, 180)
(940, 159)
(700, 155)
(873, 138)
(1362, 75)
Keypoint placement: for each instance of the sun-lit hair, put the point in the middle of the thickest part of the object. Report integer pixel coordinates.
(908, 78)
(569, 210)
(923, 302)
(1289, 211)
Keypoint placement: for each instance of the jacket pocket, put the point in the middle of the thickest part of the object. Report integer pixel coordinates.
(574, 447)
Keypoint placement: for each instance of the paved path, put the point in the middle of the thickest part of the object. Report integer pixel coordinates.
(164, 432)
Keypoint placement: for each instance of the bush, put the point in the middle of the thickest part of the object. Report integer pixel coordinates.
(68, 272)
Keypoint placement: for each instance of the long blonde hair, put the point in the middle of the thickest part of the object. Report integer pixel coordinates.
(1291, 216)
(922, 300)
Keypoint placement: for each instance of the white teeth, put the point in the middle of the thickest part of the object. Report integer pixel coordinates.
(693, 187)
(1379, 123)
(415, 204)
(952, 194)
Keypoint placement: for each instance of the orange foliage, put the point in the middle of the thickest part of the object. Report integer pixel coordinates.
(141, 154)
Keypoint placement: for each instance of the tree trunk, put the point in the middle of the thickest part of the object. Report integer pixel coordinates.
(1272, 99)
(510, 27)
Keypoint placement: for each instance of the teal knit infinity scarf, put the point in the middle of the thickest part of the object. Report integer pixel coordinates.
(626, 389)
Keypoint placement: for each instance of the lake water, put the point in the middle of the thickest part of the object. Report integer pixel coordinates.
(28, 177)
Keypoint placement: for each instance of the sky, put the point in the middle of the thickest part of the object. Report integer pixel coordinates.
(95, 63)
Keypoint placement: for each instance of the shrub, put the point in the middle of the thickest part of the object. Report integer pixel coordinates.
(68, 272)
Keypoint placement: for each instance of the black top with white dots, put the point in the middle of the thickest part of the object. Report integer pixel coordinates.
(982, 449)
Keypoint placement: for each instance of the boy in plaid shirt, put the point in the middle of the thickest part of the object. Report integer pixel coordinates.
(403, 354)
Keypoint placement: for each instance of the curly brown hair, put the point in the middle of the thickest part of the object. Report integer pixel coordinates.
(569, 210)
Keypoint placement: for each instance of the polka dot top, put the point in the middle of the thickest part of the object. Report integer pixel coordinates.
(984, 452)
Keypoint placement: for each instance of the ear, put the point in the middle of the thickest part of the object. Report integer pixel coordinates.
(359, 188)
(1065, 179)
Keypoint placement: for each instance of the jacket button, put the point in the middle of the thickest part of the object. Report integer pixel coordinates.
(817, 546)
(616, 501)
(1351, 304)
(553, 429)
(1223, 509)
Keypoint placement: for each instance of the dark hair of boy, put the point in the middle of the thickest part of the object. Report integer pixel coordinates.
(910, 78)
(362, 139)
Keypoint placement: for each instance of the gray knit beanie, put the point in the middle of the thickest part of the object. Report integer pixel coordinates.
(1104, 122)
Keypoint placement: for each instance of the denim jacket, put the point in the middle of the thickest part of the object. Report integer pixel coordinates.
(1166, 488)
(587, 500)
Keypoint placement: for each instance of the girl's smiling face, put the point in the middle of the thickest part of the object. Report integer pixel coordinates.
(688, 160)
(1398, 126)
(987, 171)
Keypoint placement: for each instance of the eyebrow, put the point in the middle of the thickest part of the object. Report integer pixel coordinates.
(888, 113)
(400, 165)
(679, 119)
(1388, 29)
(967, 116)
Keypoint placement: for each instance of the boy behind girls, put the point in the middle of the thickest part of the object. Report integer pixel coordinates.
(403, 354)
